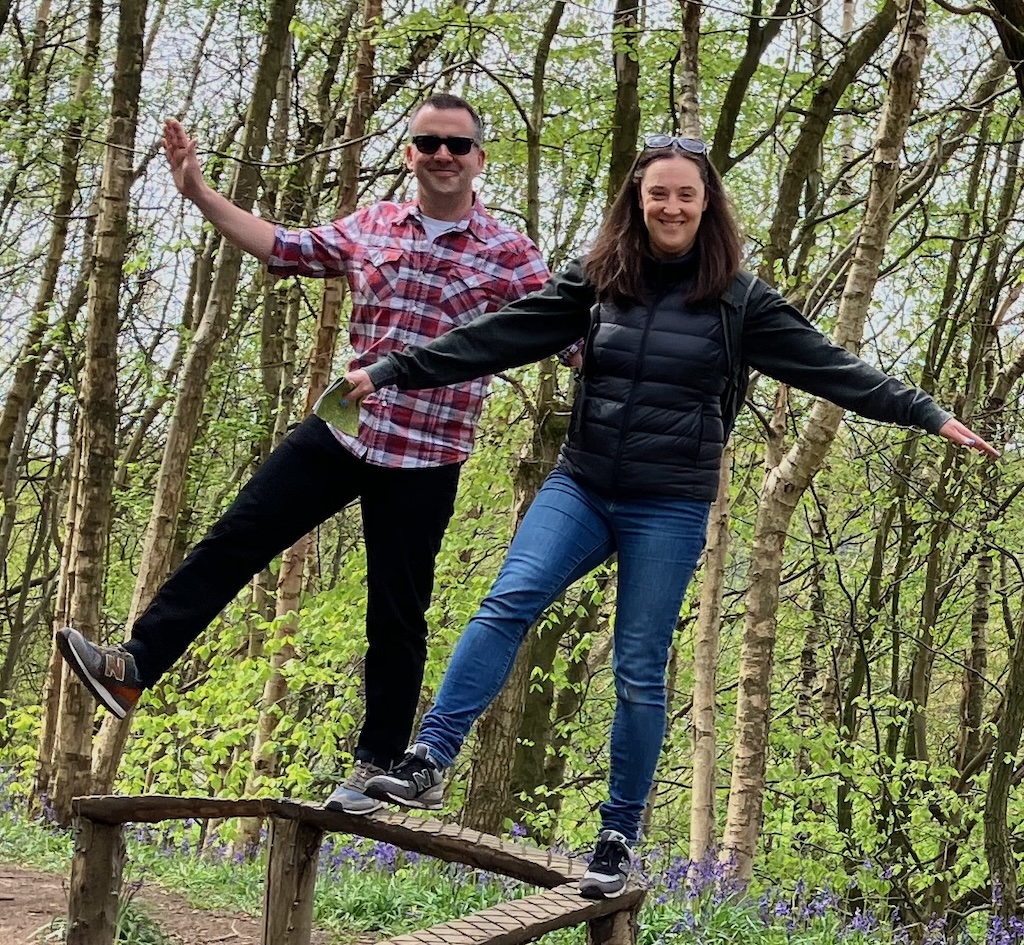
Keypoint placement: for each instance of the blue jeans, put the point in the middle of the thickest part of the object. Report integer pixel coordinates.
(567, 532)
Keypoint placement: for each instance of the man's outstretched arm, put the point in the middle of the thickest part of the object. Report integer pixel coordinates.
(246, 231)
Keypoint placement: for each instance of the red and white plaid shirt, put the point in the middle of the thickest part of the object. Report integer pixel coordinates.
(408, 290)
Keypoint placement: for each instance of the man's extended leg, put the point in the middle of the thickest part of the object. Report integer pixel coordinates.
(308, 478)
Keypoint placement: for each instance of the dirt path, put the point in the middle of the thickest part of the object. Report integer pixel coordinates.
(31, 900)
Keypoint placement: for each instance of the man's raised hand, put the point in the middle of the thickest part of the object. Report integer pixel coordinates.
(180, 150)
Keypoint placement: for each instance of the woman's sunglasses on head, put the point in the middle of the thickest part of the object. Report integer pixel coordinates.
(431, 144)
(689, 145)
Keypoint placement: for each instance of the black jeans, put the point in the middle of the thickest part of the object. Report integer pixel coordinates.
(308, 478)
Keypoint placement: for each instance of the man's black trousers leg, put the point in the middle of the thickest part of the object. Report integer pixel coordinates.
(308, 478)
(405, 514)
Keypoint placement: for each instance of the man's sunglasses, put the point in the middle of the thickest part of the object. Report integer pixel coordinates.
(431, 144)
(689, 145)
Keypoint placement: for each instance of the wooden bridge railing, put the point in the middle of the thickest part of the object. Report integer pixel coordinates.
(296, 834)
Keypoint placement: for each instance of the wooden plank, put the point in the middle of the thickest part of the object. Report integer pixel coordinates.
(448, 842)
(152, 808)
(525, 920)
(291, 881)
(95, 882)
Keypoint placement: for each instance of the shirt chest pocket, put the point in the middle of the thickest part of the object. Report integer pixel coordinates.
(467, 293)
(380, 279)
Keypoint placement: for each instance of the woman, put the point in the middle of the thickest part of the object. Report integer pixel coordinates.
(663, 360)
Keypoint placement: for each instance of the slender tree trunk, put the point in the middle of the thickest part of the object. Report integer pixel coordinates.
(786, 484)
(999, 850)
(98, 415)
(183, 429)
(703, 819)
(760, 33)
(32, 349)
(803, 157)
(688, 98)
(289, 585)
(42, 782)
(626, 113)
(813, 638)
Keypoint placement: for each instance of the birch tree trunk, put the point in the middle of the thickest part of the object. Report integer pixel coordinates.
(703, 817)
(785, 484)
(193, 383)
(98, 414)
(289, 584)
(489, 794)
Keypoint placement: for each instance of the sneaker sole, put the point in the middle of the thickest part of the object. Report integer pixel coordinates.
(593, 892)
(341, 809)
(413, 804)
(100, 694)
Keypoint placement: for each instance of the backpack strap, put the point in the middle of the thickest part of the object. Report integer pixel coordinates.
(733, 309)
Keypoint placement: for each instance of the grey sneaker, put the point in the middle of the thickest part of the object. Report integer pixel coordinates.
(609, 868)
(416, 781)
(109, 672)
(350, 797)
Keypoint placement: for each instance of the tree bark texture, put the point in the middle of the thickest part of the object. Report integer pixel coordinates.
(95, 882)
(785, 484)
(703, 820)
(194, 381)
(98, 414)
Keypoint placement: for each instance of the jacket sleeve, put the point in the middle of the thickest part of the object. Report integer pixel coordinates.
(780, 342)
(524, 331)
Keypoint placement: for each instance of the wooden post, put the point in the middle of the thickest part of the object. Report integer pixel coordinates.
(619, 928)
(95, 882)
(291, 880)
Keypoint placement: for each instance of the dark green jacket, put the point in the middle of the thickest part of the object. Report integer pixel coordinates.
(641, 435)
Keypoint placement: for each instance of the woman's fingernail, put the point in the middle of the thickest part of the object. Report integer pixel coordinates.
(969, 442)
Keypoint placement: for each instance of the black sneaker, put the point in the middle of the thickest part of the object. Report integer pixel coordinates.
(109, 672)
(609, 868)
(414, 782)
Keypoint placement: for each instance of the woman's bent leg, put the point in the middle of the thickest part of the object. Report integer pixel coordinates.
(563, 536)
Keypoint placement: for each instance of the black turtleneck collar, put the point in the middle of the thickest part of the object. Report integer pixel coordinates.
(663, 275)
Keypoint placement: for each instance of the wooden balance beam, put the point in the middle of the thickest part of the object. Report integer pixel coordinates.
(296, 834)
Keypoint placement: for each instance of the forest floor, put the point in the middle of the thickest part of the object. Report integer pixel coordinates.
(31, 900)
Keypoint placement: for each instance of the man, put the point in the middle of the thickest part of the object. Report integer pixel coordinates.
(415, 270)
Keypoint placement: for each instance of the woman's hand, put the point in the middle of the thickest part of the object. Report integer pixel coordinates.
(362, 386)
(954, 431)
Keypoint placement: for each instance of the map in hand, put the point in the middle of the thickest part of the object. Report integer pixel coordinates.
(333, 408)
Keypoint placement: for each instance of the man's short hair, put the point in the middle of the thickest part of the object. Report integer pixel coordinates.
(443, 101)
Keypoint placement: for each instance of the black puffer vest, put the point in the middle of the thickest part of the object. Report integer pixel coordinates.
(648, 416)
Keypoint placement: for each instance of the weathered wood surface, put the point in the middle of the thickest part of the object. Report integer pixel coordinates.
(525, 920)
(291, 882)
(448, 842)
(619, 928)
(95, 882)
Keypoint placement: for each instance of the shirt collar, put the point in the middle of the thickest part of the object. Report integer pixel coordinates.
(475, 222)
